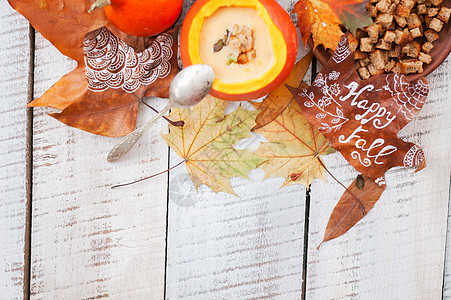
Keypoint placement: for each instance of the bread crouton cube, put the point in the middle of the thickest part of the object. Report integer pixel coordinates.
(408, 3)
(373, 31)
(411, 66)
(436, 24)
(379, 58)
(400, 20)
(366, 45)
(395, 51)
(389, 36)
(402, 11)
(426, 58)
(396, 68)
(412, 49)
(402, 37)
(357, 55)
(389, 66)
(413, 21)
(421, 9)
(364, 73)
(383, 44)
(432, 11)
(431, 35)
(416, 32)
(373, 70)
(384, 19)
(443, 14)
(436, 2)
(383, 6)
(426, 47)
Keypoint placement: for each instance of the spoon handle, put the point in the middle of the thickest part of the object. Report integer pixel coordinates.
(130, 139)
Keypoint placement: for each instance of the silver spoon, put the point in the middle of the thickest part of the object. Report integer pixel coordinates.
(187, 88)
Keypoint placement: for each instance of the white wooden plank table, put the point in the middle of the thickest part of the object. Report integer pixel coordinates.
(66, 235)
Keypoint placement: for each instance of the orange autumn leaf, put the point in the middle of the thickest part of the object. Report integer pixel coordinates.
(293, 148)
(321, 19)
(349, 210)
(114, 70)
(276, 102)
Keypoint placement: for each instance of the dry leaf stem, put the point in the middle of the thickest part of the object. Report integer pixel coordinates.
(148, 177)
(355, 197)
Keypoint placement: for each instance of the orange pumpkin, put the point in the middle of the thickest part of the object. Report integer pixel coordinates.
(142, 18)
(274, 39)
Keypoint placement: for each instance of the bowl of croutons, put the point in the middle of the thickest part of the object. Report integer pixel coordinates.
(409, 37)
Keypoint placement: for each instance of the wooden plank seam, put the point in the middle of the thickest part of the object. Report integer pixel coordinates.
(307, 212)
(29, 167)
(447, 242)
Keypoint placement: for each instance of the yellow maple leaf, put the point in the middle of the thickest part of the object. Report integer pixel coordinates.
(206, 143)
(293, 149)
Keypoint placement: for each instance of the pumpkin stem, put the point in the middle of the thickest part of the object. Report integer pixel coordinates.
(99, 4)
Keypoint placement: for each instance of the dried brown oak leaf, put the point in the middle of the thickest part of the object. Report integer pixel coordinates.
(348, 211)
(321, 19)
(114, 70)
(206, 143)
(293, 148)
(361, 118)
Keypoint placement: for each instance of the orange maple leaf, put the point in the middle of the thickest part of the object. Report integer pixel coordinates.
(321, 19)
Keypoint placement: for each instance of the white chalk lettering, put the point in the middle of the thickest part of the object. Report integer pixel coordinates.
(375, 112)
(376, 150)
(353, 87)
(379, 112)
(342, 139)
